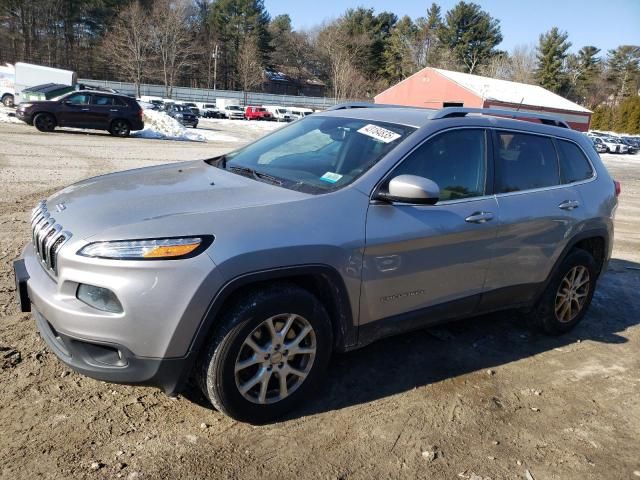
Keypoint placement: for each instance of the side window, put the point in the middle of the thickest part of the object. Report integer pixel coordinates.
(78, 99)
(119, 102)
(574, 166)
(102, 100)
(455, 160)
(525, 162)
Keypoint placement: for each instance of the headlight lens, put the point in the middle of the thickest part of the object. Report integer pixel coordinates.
(25, 105)
(154, 249)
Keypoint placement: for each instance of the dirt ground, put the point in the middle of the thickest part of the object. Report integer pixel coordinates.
(478, 399)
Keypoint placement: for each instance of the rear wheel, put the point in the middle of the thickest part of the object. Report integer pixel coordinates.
(120, 128)
(566, 299)
(45, 122)
(7, 100)
(271, 352)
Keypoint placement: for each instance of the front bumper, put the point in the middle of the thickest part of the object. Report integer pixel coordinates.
(149, 343)
(21, 114)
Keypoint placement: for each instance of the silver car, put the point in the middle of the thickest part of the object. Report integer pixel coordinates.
(248, 270)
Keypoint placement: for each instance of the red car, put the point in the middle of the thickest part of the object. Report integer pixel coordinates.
(257, 113)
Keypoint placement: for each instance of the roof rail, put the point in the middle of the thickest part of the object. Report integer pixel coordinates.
(450, 112)
(348, 105)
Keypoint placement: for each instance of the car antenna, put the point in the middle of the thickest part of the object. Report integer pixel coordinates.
(520, 104)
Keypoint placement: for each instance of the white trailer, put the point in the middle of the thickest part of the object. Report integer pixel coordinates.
(28, 75)
(7, 81)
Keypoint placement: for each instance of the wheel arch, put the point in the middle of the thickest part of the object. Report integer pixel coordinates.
(595, 241)
(321, 280)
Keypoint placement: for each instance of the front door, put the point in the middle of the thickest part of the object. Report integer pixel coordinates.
(75, 111)
(421, 256)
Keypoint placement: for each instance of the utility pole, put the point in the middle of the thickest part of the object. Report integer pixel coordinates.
(215, 65)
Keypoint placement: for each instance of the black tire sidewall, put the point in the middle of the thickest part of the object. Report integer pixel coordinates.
(116, 134)
(219, 381)
(42, 116)
(545, 313)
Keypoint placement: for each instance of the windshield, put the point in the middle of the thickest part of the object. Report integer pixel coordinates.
(233, 107)
(317, 154)
(282, 110)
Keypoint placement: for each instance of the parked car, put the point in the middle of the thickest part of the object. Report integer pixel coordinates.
(193, 107)
(620, 146)
(599, 147)
(257, 113)
(7, 85)
(183, 114)
(210, 110)
(609, 145)
(297, 112)
(118, 114)
(280, 114)
(233, 112)
(632, 147)
(247, 271)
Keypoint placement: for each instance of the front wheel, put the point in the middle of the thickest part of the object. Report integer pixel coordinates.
(568, 295)
(45, 122)
(7, 101)
(270, 354)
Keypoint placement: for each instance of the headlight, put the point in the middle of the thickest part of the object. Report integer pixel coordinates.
(151, 249)
(178, 115)
(25, 105)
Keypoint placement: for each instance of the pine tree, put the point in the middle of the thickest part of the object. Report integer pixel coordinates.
(624, 70)
(471, 34)
(399, 54)
(552, 52)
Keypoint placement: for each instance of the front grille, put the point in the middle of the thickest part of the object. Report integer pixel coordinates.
(47, 236)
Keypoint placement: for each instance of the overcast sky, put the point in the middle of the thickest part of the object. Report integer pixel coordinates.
(605, 24)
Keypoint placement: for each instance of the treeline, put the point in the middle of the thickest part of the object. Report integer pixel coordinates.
(230, 43)
(623, 118)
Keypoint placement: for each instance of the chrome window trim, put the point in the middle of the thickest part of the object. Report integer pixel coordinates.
(593, 177)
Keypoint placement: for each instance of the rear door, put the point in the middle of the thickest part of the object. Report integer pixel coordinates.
(421, 256)
(103, 109)
(538, 214)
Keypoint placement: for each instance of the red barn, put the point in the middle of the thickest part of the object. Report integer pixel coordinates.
(435, 88)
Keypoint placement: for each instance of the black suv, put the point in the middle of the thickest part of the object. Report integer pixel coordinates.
(118, 114)
(182, 114)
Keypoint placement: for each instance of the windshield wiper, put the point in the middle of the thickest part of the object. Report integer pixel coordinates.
(250, 172)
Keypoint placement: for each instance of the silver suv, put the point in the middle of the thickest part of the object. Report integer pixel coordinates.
(247, 271)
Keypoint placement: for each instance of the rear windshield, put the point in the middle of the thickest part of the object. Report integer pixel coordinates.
(317, 154)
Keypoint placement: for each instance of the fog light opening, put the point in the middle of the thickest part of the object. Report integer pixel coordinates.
(99, 298)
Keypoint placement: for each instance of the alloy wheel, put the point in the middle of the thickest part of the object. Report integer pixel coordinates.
(275, 358)
(572, 293)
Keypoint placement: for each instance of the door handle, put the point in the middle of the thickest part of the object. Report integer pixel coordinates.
(84, 109)
(569, 205)
(114, 110)
(479, 217)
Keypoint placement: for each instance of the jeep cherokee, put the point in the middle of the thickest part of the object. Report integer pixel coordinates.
(246, 271)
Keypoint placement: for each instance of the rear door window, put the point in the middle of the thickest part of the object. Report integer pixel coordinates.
(574, 165)
(102, 100)
(525, 162)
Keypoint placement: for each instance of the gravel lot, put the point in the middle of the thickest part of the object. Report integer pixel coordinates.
(482, 398)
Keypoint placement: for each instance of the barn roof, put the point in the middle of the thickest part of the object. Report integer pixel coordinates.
(511, 92)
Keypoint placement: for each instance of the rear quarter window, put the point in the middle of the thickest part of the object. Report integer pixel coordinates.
(574, 165)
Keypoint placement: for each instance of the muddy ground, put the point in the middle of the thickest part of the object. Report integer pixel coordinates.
(483, 398)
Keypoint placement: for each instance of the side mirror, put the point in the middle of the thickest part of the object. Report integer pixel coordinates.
(412, 189)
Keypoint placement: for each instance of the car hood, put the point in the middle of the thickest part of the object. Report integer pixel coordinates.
(167, 199)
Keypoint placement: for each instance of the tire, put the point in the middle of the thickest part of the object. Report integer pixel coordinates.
(550, 314)
(8, 100)
(120, 128)
(248, 318)
(45, 122)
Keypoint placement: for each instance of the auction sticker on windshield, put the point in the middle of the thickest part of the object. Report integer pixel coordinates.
(331, 177)
(379, 133)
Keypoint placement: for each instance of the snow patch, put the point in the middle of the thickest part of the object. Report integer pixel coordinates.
(7, 115)
(160, 126)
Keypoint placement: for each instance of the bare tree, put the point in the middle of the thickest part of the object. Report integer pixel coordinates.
(523, 64)
(127, 44)
(171, 39)
(340, 51)
(249, 63)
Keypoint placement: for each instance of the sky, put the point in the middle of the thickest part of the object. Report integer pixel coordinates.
(605, 24)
